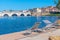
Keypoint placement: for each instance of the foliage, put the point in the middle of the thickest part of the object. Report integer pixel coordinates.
(53, 15)
(57, 3)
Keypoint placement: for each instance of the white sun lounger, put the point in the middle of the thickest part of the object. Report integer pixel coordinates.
(28, 31)
(49, 24)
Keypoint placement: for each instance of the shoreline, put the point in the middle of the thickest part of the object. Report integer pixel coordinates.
(20, 36)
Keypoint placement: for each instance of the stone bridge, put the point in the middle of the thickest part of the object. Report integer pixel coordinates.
(15, 14)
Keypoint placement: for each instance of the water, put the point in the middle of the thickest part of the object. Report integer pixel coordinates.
(17, 24)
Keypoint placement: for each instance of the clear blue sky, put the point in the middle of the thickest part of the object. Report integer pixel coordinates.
(24, 4)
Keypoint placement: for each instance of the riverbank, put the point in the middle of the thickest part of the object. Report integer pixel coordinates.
(32, 36)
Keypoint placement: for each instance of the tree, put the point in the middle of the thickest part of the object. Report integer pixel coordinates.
(57, 3)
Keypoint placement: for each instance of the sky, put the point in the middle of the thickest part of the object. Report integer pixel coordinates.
(24, 4)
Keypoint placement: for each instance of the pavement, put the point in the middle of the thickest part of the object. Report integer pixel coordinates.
(32, 36)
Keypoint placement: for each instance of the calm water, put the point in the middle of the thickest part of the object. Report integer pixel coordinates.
(16, 24)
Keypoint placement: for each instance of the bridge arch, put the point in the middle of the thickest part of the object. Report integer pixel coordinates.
(28, 15)
(22, 15)
(14, 15)
(5, 15)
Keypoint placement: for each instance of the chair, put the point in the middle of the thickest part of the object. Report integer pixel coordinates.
(49, 25)
(29, 31)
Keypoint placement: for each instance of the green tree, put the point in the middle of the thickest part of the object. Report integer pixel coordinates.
(57, 2)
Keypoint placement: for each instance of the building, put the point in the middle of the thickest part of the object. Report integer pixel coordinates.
(35, 11)
(44, 11)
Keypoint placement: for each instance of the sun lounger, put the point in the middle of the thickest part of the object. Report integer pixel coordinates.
(38, 30)
(28, 32)
(49, 25)
(35, 26)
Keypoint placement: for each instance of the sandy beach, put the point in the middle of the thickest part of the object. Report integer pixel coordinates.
(32, 36)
